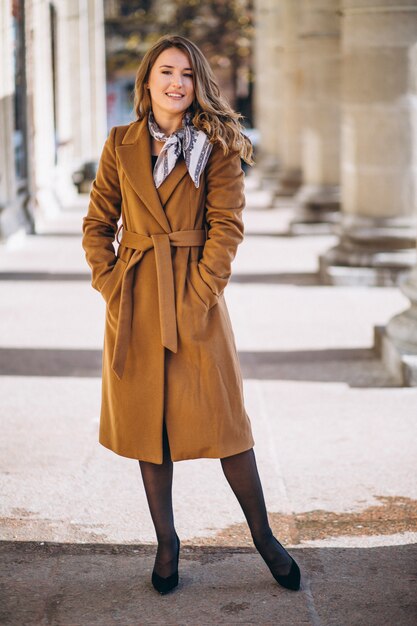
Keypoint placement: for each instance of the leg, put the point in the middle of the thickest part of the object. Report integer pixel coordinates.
(242, 475)
(157, 480)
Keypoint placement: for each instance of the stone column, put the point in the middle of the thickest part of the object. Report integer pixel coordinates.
(16, 209)
(318, 200)
(7, 178)
(377, 232)
(40, 50)
(398, 341)
(290, 88)
(268, 99)
(81, 89)
(98, 106)
(89, 86)
(277, 92)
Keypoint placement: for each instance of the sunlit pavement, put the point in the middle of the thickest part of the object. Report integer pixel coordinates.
(335, 441)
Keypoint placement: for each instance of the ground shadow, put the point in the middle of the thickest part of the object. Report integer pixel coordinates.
(45, 276)
(300, 279)
(356, 367)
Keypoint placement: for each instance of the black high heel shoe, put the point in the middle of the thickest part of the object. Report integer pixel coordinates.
(164, 585)
(290, 580)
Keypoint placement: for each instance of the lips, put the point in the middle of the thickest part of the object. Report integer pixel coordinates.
(175, 96)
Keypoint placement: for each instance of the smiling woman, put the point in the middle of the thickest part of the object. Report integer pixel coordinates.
(172, 386)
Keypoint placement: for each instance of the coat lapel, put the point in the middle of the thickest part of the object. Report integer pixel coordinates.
(172, 180)
(135, 157)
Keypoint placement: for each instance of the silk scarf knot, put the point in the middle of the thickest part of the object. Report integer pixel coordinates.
(188, 140)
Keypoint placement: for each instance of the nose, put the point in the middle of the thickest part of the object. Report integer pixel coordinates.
(176, 80)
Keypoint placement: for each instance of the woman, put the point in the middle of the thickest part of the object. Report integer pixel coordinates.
(171, 380)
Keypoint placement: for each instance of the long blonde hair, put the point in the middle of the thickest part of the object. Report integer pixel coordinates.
(211, 112)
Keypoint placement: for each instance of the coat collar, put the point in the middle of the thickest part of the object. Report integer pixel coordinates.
(135, 157)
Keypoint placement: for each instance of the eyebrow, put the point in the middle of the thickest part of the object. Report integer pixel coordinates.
(172, 67)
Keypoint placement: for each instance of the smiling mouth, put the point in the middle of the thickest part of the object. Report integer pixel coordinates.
(174, 96)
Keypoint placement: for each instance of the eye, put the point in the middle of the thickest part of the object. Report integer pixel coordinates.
(169, 72)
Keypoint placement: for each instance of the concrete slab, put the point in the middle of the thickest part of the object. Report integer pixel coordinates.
(98, 585)
(48, 254)
(57, 481)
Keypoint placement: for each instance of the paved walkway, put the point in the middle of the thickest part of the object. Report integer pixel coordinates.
(335, 443)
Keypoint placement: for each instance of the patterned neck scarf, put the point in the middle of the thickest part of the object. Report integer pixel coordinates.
(193, 143)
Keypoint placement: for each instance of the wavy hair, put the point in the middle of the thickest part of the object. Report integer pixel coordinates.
(210, 111)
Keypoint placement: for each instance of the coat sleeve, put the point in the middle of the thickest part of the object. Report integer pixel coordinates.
(225, 201)
(100, 223)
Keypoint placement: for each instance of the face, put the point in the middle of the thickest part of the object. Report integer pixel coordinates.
(170, 83)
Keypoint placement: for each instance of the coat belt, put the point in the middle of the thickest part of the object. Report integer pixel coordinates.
(162, 243)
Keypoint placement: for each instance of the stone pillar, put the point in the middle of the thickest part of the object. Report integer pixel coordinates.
(81, 89)
(16, 210)
(277, 92)
(290, 88)
(318, 200)
(7, 179)
(398, 341)
(378, 152)
(268, 99)
(41, 68)
(98, 103)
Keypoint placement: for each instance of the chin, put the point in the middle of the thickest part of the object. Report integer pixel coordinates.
(178, 110)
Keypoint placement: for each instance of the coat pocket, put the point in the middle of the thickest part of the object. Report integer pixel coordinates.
(204, 293)
(114, 279)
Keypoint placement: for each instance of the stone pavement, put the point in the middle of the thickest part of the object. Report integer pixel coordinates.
(335, 440)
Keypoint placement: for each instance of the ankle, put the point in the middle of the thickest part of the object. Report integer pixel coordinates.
(166, 540)
(262, 537)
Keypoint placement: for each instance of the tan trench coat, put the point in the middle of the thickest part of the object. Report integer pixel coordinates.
(169, 349)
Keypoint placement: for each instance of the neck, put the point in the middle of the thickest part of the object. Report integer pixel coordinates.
(168, 123)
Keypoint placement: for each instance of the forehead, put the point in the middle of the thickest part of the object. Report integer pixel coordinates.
(173, 57)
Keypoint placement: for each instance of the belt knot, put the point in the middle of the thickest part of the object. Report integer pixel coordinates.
(162, 243)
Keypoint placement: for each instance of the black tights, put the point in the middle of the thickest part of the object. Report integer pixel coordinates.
(242, 475)
(157, 480)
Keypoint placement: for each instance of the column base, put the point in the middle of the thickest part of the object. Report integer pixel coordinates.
(397, 341)
(401, 363)
(332, 271)
(16, 217)
(289, 182)
(402, 328)
(267, 170)
(373, 252)
(258, 193)
(318, 209)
